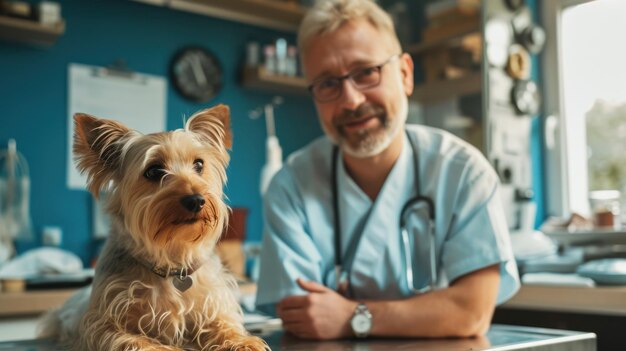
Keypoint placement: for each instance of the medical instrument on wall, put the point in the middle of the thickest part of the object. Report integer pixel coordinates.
(341, 275)
(509, 104)
(273, 151)
(15, 221)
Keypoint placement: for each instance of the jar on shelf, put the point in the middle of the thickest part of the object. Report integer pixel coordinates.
(605, 208)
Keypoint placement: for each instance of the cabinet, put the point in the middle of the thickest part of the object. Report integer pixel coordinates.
(429, 93)
(450, 57)
(443, 79)
(29, 32)
(450, 53)
(601, 310)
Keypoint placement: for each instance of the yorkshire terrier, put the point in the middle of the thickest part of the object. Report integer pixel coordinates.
(159, 284)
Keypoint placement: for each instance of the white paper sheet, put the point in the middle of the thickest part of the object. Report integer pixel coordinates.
(137, 100)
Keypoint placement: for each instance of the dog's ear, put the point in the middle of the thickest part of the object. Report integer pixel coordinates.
(212, 121)
(97, 150)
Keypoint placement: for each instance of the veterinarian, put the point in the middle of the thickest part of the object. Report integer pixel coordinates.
(379, 229)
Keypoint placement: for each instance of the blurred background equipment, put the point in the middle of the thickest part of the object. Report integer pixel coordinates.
(230, 246)
(15, 221)
(273, 152)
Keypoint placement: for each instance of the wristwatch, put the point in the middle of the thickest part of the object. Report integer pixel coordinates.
(361, 321)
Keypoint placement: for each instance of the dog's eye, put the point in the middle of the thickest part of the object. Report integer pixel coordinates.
(198, 166)
(155, 172)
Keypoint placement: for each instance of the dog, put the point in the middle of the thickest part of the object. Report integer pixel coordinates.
(159, 284)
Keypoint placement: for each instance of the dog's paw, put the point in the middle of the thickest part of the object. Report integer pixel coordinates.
(252, 343)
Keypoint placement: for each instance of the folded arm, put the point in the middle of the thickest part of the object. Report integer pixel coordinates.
(463, 309)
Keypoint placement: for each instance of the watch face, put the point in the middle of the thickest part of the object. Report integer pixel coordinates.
(196, 74)
(361, 324)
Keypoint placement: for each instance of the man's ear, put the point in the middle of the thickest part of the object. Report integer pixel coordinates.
(211, 123)
(97, 149)
(406, 68)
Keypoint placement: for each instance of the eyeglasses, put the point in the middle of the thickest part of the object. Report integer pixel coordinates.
(330, 89)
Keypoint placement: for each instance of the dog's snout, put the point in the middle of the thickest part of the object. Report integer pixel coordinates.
(193, 202)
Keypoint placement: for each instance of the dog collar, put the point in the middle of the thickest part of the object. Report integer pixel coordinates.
(182, 280)
(165, 272)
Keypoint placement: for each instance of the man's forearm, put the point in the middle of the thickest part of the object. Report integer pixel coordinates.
(462, 310)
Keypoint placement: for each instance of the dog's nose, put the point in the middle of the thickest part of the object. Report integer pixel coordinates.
(193, 202)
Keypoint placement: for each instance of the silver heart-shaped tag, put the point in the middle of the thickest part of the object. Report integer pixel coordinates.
(182, 284)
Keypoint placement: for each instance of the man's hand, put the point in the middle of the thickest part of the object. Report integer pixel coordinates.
(322, 314)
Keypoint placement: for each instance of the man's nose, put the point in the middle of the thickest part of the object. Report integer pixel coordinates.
(351, 97)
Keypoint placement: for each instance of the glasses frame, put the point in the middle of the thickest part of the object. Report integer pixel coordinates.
(349, 76)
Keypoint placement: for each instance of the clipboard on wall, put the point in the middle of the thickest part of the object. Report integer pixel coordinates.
(138, 100)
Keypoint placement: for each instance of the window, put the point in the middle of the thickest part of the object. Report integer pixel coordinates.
(585, 100)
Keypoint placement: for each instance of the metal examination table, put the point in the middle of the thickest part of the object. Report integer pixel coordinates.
(499, 338)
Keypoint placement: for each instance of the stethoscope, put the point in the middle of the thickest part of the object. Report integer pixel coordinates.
(341, 276)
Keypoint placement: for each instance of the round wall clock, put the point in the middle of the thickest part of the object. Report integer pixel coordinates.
(196, 74)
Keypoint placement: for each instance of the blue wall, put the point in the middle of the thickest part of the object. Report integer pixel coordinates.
(33, 102)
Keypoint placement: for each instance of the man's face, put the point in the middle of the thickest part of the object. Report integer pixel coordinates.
(362, 121)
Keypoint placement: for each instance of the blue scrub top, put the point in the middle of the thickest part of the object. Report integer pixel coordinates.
(471, 229)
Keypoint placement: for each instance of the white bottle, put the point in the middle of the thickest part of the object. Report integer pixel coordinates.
(273, 163)
(274, 153)
(281, 56)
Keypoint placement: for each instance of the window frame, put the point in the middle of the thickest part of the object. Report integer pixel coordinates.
(566, 180)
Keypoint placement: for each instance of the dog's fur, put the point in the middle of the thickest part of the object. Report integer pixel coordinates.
(147, 178)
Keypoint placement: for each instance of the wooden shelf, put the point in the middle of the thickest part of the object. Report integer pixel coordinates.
(265, 13)
(40, 301)
(32, 302)
(423, 47)
(437, 91)
(29, 32)
(257, 78)
(447, 35)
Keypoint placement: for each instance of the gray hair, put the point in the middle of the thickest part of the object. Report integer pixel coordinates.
(326, 16)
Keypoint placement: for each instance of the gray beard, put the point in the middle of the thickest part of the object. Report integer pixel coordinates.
(373, 143)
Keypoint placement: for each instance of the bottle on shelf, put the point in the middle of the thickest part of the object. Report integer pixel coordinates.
(292, 61)
(269, 52)
(281, 56)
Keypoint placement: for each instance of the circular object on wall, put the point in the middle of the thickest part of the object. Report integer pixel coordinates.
(196, 74)
(533, 38)
(498, 37)
(525, 97)
(518, 63)
(514, 5)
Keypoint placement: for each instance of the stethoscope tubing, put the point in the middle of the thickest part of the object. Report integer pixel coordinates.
(339, 273)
